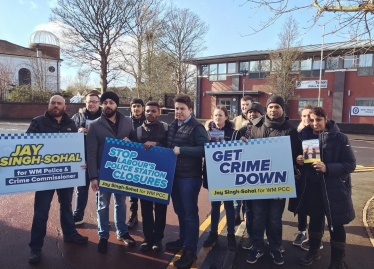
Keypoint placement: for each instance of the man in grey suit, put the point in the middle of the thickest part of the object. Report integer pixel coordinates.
(111, 123)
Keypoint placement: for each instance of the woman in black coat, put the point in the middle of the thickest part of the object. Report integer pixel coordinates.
(325, 187)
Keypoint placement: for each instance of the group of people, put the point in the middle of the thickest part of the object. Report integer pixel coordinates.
(323, 187)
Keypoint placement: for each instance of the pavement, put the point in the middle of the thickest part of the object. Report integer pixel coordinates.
(16, 215)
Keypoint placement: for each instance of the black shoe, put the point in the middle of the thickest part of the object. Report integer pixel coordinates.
(211, 240)
(157, 245)
(102, 247)
(78, 220)
(186, 259)
(254, 255)
(309, 258)
(300, 238)
(277, 257)
(77, 239)
(132, 221)
(174, 245)
(127, 239)
(145, 245)
(231, 242)
(35, 255)
(305, 245)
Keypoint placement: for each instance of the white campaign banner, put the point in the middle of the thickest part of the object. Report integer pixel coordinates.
(362, 110)
(41, 161)
(311, 84)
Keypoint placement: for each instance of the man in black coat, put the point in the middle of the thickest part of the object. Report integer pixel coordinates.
(82, 120)
(152, 133)
(137, 117)
(55, 120)
(268, 212)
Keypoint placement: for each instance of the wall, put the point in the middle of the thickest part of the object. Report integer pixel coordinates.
(31, 110)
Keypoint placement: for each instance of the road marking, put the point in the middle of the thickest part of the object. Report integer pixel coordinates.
(361, 147)
(203, 226)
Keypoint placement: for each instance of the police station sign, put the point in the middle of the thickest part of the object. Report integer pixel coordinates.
(259, 169)
(311, 84)
(362, 110)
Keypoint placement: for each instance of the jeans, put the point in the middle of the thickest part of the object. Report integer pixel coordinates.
(81, 198)
(134, 205)
(153, 227)
(249, 217)
(267, 214)
(42, 205)
(184, 195)
(230, 216)
(103, 202)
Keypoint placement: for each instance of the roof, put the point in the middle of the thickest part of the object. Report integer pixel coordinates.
(328, 47)
(12, 49)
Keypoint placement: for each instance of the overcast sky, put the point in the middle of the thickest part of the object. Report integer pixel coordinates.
(229, 22)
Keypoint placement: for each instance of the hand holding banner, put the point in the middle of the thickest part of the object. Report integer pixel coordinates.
(127, 168)
(257, 169)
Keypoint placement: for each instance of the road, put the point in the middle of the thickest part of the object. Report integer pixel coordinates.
(16, 213)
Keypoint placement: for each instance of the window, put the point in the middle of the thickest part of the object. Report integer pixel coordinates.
(243, 66)
(217, 72)
(24, 77)
(308, 101)
(204, 70)
(259, 69)
(364, 102)
(295, 66)
(350, 61)
(231, 68)
(365, 65)
(306, 64)
(332, 63)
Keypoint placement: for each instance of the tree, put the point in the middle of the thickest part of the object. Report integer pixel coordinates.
(7, 78)
(354, 17)
(42, 79)
(182, 40)
(91, 32)
(285, 62)
(141, 42)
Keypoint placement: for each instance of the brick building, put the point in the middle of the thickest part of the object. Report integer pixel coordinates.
(347, 80)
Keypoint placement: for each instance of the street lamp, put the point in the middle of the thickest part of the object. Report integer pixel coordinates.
(244, 73)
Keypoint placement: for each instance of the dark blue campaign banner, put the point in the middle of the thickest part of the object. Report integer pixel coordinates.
(127, 168)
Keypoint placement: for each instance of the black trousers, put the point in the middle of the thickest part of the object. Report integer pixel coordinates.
(153, 227)
(316, 211)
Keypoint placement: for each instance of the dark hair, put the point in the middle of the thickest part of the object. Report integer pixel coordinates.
(93, 94)
(319, 112)
(183, 98)
(153, 103)
(136, 101)
(247, 98)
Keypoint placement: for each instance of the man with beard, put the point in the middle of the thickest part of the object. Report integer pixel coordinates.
(111, 123)
(137, 117)
(55, 120)
(267, 213)
(82, 120)
(152, 133)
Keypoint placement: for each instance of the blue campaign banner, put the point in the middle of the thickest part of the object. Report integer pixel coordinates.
(127, 168)
(41, 161)
(257, 169)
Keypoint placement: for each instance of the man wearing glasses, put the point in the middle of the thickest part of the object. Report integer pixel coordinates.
(82, 120)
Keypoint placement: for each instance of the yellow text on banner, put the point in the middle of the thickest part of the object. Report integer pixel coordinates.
(252, 191)
(132, 189)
